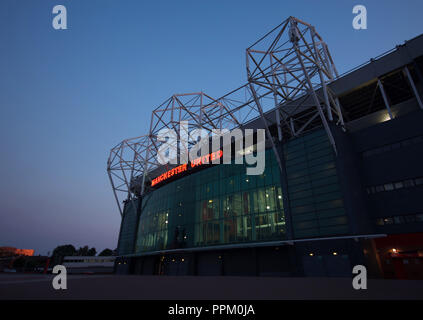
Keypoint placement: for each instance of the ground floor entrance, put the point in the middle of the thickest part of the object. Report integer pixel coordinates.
(324, 258)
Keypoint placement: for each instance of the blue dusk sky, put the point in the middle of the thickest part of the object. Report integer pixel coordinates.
(68, 96)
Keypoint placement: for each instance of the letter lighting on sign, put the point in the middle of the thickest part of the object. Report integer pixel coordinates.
(183, 167)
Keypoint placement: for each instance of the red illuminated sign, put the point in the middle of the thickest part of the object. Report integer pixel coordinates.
(183, 167)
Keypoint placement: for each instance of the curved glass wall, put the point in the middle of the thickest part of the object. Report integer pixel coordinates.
(215, 206)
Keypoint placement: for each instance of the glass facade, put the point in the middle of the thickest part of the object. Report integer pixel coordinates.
(217, 205)
(315, 198)
(128, 228)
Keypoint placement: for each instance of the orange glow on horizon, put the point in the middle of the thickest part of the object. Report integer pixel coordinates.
(4, 251)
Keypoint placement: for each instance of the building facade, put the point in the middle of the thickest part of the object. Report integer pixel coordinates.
(320, 212)
(11, 252)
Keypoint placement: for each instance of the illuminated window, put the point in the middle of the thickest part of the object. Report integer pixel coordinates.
(399, 185)
(389, 187)
(221, 205)
(388, 221)
(409, 183)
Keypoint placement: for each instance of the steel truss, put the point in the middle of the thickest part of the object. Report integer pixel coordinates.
(125, 164)
(293, 62)
(288, 71)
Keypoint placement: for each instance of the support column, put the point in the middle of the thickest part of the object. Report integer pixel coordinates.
(413, 86)
(263, 118)
(385, 98)
(316, 100)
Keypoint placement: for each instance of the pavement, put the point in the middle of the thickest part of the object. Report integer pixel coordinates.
(87, 287)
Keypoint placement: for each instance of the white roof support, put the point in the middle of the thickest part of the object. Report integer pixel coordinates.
(413, 86)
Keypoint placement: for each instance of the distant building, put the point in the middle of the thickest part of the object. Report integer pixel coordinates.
(89, 264)
(11, 251)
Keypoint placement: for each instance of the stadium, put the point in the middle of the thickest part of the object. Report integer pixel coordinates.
(343, 177)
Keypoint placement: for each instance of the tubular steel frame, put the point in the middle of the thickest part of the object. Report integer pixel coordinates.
(288, 72)
(294, 63)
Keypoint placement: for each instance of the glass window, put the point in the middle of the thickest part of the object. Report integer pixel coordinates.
(407, 143)
(262, 200)
(245, 182)
(236, 182)
(396, 146)
(214, 205)
(418, 139)
(245, 203)
(276, 176)
(268, 178)
(263, 226)
(378, 150)
(260, 180)
(229, 227)
(237, 204)
(408, 183)
(388, 221)
(380, 222)
(399, 185)
(279, 196)
(210, 209)
(380, 189)
(270, 199)
(410, 218)
(227, 206)
(386, 148)
(216, 231)
(399, 220)
(389, 187)
(242, 228)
